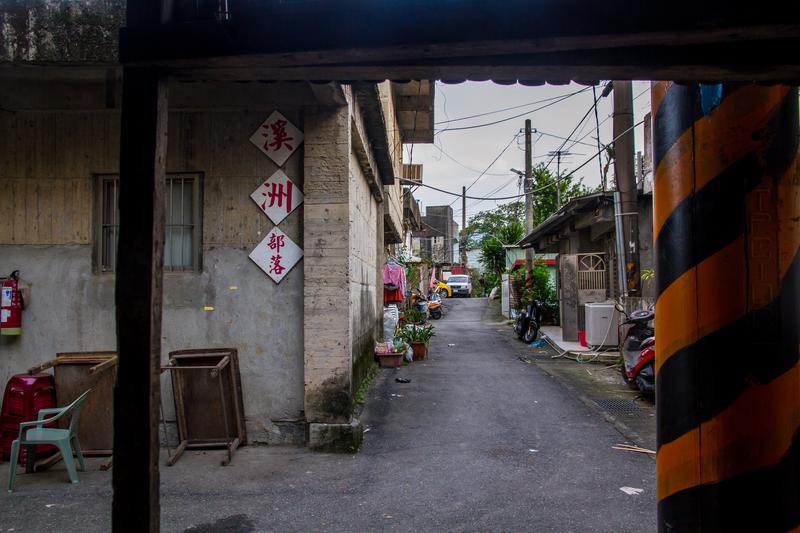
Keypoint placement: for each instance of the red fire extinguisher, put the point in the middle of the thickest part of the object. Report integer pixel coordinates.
(11, 305)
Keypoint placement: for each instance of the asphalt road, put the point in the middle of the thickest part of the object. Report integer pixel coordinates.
(477, 441)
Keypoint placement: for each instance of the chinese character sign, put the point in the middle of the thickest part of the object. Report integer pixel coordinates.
(276, 254)
(277, 197)
(277, 137)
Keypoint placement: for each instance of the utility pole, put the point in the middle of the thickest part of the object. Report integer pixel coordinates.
(626, 183)
(528, 204)
(557, 154)
(463, 245)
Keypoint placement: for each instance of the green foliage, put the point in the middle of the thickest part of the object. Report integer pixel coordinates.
(361, 393)
(414, 316)
(543, 289)
(545, 200)
(477, 287)
(412, 278)
(490, 230)
(490, 222)
(417, 334)
(493, 255)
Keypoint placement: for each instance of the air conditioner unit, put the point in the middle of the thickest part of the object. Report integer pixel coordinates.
(601, 324)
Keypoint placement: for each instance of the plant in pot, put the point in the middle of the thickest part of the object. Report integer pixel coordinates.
(418, 337)
(390, 354)
(414, 316)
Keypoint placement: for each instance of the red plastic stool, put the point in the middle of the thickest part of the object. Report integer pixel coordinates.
(24, 396)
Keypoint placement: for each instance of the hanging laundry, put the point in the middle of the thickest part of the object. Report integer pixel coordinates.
(394, 275)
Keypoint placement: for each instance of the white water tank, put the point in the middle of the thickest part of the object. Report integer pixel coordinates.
(601, 324)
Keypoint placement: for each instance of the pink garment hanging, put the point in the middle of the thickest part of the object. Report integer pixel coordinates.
(395, 274)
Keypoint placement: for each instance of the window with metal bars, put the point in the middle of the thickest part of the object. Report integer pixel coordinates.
(181, 232)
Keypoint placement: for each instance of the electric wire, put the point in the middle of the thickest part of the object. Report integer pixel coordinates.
(536, 102)
(490, 164)
(559, 150)
(561, 99)
(557, 180)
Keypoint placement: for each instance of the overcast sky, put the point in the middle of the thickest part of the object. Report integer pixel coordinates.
(472, 150)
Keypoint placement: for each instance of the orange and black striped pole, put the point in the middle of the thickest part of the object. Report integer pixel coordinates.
(727, 233)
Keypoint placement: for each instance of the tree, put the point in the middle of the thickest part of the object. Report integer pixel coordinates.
(491, 221)
(545, 203)
(493, 255)
(545, 199)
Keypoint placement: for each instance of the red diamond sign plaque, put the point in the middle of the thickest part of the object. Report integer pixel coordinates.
(278, 196)
(276, 255)
(277, 137)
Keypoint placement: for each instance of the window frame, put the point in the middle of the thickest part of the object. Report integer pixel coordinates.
(98, 224)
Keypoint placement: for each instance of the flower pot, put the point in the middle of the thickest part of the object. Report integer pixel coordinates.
(420, 350)
(390, 360)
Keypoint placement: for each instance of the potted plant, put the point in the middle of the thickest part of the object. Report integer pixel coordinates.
(418, 337)
(414, 316)
(390, 354)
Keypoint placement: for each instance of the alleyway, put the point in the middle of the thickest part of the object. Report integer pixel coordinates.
(477, 441)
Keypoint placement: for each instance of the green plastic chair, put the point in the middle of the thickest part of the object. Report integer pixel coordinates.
(33, 433)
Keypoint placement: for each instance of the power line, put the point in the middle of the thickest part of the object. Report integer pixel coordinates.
(462, 165)
(516, 196)
(559, 150)
(543, 100)
(514, 138)
(561, 99)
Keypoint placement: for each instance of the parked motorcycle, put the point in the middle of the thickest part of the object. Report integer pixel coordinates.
(638, 350)
(420, 303)
(528, 322)
(435, 306)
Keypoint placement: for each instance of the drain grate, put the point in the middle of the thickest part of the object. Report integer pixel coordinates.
(616, 406)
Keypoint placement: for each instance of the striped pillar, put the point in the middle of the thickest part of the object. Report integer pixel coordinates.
(727, 233)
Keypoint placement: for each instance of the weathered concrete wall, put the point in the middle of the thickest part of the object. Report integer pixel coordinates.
(343, 259)
(646, 244)
(60, 30)
(328, 363)
(393, 194)
(72, 307)
(363, 268)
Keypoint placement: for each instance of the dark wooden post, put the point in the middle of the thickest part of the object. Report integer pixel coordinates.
(138, 300)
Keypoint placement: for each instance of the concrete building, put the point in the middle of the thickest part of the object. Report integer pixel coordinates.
(304, 343)
(582, 233)
(438, 237)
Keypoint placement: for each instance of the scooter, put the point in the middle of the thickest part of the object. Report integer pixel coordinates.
(528, 322)
(638, 350)
(435, 306)
(419, 302)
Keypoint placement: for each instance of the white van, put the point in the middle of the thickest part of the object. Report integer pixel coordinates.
(460, 284)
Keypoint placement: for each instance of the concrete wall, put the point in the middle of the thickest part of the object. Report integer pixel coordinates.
(58, 143)
(343, 229)
(365, 263)
(393, 194)
(328, 356)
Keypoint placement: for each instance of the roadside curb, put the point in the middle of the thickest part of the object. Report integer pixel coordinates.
(619, 425)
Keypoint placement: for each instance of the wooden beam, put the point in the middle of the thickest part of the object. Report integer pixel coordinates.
(349, 31)
(135, 505)
(767, 60)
